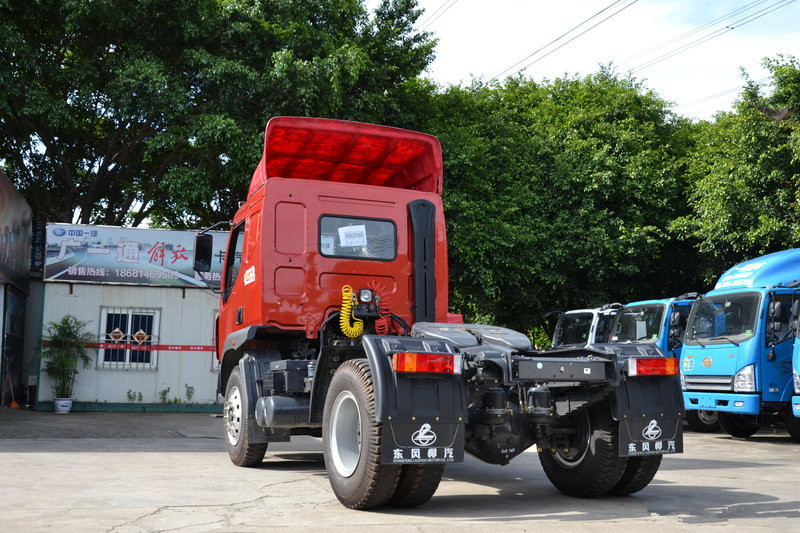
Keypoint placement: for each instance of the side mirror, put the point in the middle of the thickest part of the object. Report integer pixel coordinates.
(774, 310)
(203, 251)
(796, 315)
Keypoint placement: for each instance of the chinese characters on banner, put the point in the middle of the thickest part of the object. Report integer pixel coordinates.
(105, 254)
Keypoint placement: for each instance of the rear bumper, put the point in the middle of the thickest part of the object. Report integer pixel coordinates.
(743, 404)
(796, 406)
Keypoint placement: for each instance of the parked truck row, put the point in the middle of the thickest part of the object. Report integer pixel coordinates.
(334, 322)
(739, 344)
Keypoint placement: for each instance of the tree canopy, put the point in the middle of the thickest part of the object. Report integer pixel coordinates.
(124, 110)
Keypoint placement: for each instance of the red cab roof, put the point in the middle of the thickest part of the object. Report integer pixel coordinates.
(350, 152)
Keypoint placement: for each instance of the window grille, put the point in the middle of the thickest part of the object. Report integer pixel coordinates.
(129, 338)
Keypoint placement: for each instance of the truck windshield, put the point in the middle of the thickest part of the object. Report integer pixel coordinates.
(638, 323)
(723, 318)
(572, 329)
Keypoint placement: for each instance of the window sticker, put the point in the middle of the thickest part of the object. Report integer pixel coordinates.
(250, 275)
(327, 244)
(353, 236)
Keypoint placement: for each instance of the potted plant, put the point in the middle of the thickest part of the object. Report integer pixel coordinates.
(65, 348)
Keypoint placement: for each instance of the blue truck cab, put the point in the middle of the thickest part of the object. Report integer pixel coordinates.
(737, 354)
(661, 323)
(796, 379)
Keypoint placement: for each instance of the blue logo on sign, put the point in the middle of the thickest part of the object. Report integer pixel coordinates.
(58, 232)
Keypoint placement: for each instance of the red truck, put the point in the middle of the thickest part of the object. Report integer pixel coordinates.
(334, 322)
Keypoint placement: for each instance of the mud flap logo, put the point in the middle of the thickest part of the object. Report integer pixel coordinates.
(424, 436)
(651, 431)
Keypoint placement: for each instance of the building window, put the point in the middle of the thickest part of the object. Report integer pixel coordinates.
(128, 338)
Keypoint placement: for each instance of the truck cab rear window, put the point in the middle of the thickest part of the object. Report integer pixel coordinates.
(357, 238)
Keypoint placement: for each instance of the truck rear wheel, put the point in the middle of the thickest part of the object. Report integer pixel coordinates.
(590, 466)
(702, 421)
(417, 485)
(740, 426)
(638, 473)
(352, 440)
(237, 424)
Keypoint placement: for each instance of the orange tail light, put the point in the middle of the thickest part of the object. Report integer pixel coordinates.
(429, 363)
(653, 366)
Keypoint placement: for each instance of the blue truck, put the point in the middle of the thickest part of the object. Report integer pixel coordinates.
(794, 425)
(737, 354)
(661, 323)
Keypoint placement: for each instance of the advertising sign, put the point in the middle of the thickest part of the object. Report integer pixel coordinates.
(135, 256)
(15, 235)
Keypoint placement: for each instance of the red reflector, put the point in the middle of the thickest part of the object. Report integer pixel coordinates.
(435, 363)
(657, 366)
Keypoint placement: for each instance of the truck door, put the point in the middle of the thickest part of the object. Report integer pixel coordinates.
(777, 368)
(231, 312)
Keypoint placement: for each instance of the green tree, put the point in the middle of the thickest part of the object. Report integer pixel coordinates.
(744, 175)
(121, 110)
(560, 194)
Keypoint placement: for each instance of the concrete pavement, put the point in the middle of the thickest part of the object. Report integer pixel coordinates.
(127, 472)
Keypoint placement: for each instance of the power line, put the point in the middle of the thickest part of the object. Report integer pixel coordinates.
(434, 17)
(721, 31)
(583, 32)
(557, 38)
(692, 32)
(722, 93)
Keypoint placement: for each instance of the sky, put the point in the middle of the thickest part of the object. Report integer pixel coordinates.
(482, 38)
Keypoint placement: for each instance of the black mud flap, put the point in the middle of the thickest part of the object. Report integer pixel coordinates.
(650, 436)
(650, 414)
(422, 443)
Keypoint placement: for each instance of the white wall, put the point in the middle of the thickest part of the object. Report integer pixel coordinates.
(186, 318)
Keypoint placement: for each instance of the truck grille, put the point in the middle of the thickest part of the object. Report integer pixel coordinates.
(708, 383)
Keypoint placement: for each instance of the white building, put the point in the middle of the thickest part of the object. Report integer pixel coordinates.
(153, 317)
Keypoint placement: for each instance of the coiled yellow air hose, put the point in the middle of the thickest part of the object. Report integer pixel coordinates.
(347, 312)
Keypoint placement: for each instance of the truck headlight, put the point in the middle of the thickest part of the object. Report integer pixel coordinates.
(796, 382)
(683, 382)
(745, 380)
(365, 296)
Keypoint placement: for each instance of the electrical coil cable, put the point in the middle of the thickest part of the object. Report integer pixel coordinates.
(384, 320)
(347, 312)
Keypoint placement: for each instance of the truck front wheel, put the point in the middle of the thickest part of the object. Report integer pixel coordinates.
(792, 424)
(740, 426)
(591, 466)
(702, 421)
(352, 440)
(237, 424)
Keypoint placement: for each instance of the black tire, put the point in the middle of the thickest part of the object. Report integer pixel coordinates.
(702, 421)
(739, 426)
(792, 424)
(417, 485)
(352, 440)
(591, 467)
(638, 473)
(237, 424)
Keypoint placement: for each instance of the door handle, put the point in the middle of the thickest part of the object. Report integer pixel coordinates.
(239, 314)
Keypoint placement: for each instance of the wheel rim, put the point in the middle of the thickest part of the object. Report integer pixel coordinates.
(345, 434)
(573, 456)
(708, 418)
(233, 416)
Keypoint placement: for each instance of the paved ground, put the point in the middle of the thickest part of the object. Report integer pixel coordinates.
(170, 472)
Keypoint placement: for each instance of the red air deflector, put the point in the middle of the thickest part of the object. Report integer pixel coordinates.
(349, 152)
(656, 366)
(428, 363)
